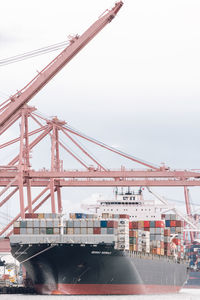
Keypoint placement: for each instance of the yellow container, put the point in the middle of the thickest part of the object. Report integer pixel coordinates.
(131, 248)
(40, 216)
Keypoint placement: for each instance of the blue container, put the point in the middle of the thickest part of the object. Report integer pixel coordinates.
(78, 215)
(103, 223)
(173, 229)
(152, 224)
(23, 224)
(191, 263)
(167, 223)
(110, 230)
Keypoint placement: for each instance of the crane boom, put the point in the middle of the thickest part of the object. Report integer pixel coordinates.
(36, 84)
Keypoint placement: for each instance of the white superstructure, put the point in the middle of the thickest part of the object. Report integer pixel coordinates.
(132, 204)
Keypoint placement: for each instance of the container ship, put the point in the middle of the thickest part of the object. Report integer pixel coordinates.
(126, 246)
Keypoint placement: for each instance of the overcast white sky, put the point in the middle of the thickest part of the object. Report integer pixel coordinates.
(135, 86)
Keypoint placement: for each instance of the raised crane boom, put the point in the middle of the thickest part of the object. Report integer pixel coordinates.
(10, 110)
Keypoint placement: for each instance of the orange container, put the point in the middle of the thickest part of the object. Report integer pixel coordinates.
(167, 232)
(16, 230)
(159, 224)
(158, 251)
(173, 223)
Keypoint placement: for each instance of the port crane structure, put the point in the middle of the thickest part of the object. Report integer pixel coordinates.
(18, 175)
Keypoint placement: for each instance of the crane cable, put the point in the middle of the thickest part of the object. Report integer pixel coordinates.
(33, 53)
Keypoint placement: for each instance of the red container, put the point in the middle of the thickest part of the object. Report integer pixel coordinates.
(31, 216)
(179, 223)
(146, 229)
(159, 224)
(28, 216)
(124, 216)
(130, 225)
(97, 230)
(173, 223)
(131, 233)
(16, 230)
(146, 224)
(135, 225)
(112, 224)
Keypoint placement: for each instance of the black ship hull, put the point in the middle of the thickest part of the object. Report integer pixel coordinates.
(97, 269)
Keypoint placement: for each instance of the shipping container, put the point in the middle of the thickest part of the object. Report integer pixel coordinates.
(97, 230)
(103, 223)
(49, 230)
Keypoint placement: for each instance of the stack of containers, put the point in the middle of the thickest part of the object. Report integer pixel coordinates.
(123, 234)
(82, 216)
(139, 239)
(175, 226)
(145, 239)
(37, 226)
(157, 237)
(167, 248)
(90, 226)
(42, 216)
(154, 233)
(133, 240)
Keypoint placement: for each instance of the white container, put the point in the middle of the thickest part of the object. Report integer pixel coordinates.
(36, 230)
(56, 222)
(42, 223)
(16, 224)
(77, 223)
(29, 223)
(77, 230)
(29, 230)
(96, 223)
(90, 230)
(56, 230)
(90, 223)
(83, 223)
(42, 230)
(36, 223)
(23, 230)
(104, 230)
(83, 230)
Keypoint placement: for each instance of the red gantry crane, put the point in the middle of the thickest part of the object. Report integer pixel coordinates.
(18, 173)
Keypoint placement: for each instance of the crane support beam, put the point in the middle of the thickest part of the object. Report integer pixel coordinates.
(179, 175)
(36, 84)
(106, 183)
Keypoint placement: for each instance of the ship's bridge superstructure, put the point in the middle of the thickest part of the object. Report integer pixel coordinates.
(132, 204)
